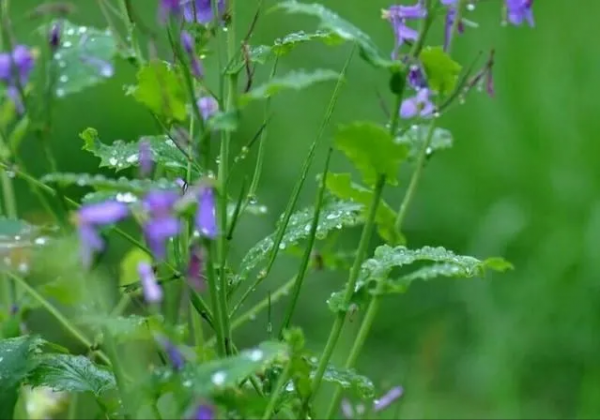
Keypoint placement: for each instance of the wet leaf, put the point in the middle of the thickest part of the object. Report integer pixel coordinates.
(361, 386)
(100, 182)
(161, 90)
(415, 136)
(125, 328)
(84, 58)
(341, 186)
(63, 372)
(330, 21)
(121, 155)
(372, 150)
(334, 215)
(442, 72)
(294, 80)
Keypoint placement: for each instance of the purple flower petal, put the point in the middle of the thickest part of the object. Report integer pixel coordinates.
(420, 105)
(102, 213)
(385, 401)
(169, 8)
(152, 290)
(519, 11)
(90, 243)
(160, 203)
(204, 412)
(196, 268)
(145, 158)
(173, 353)
(158, 231)
(206, 221)
(208, 106)
(203, 10)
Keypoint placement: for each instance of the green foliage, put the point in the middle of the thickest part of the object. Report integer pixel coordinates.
(100, 182)
(15, 364)
(334, 215)
(341, 186)
(294, 80)
(442, 72)
(161, 90)
(415, 136)
(348, 379)
(63, 372)
(120, 155)
(331, 22)
(375, 272)
(372, 150)
(125, 328)
(84, 58)
(9, 228)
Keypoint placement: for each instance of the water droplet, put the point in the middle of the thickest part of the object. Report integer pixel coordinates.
(82, 29)
(262, 209)
(290, 386)
(60, 92)
(252, 317)
(429, 151)
(436, 114)
(282, 245)
(126, 197)
(471, 7)
(225, 29)
(64, 78)
(11, 174)
(218, 378)
(70, 32)
(67, 44)
(57, 56)
(256, 355)
(132, 158)
(40, 241)
(113, 161)
(187, 383)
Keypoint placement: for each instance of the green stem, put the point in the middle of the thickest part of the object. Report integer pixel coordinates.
(298, 187)
(283, 379)
(361, 253)
(56, 314)
(117, 368)
(214, 295)
(9, 195)
(308, 250)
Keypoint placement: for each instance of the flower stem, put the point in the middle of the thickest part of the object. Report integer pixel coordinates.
(283, 379)
(336, 329)
(214, 295)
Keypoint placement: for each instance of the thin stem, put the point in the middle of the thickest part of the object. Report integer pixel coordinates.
(214, 295)
(308, 250)
(56, 314)
(283, 379)
(336, 329)
(457, 18)
(298, 187)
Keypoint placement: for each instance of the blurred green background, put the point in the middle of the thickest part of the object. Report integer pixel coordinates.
(522, 181)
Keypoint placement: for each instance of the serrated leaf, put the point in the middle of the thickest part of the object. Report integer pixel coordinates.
(361, 386)
(342, 187)
(100, 182)
(15, 364)
(84, 57)
(442, 72)
(161, 90)
(330, 21)
(294, 80)
(334, 215)
(372, 150)
(63, 372)
(125, 328)
(415, 136)
(203, 379)
(374, 278)
(121, 155)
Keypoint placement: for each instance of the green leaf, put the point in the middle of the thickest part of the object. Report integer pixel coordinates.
(361, 386)
(84, 57)
(415, 136)
(63, 372)
(120, 155)
(341, 186)
(372, 150)
(375, 272)
(123, 329)
(331, 22)
(442, 72)
(202, 379)
(161, 90)
(294, 80)
(224, 121)
(129, 266)
(334, 215)
(15, 364)
(100, 182)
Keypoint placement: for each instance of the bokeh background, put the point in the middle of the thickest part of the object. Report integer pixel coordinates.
(522, 181)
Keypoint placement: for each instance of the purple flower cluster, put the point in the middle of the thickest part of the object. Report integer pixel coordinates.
(398, 17)
(162, 223)
(519, 11)
(152, 290)
(197, 11)
(15, 70)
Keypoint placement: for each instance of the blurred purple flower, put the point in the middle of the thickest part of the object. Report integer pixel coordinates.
(398, 15)
(92, 216)
(152, 290)
(169, 8)
(187, 41)
(145, 158)
(449, 25)
(162, 224)
(201, 11)
(196, 268)
(206, 221)
(386, 400)
(173, 353)
(15, 69)
(204, 412)
(416, 77)
(519, 11)
(347, 409)
(419, 105)
(54, 36)
(208, 107)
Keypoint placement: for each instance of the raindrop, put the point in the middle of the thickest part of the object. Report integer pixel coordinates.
(252, 200)
(82, 29)
(132, 158)
(225, 29)
(57, 56)
(256, 355)
(290, 386)
(282, 246)
(187, 383)
(332, 216)
(11, 174)
(252, 317)
(113, 161)
(470, 7)
(64, 78)
(23, 268)
(429, 151)
(60, 92)
(70, 32)
(436, 114)
(218, 378)
(262, 209)
(40, 241)
(67, 44)
(126, 197)
(62, 64)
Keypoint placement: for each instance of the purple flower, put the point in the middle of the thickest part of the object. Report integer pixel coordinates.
(519, 11)
(201, 11)
(15, 69)
(398, 15)
(162, 224)
(419, 105)
(416, 77)
(449, 25)
(347, 409)
(206, 221)
(386, 400)
(188, 46)
(152, 290)
(208, 106)
(173, 353)
(196, 268)
(204, 412)
(91, 217)
(54, 36)
(145, 158)
(169, 8)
